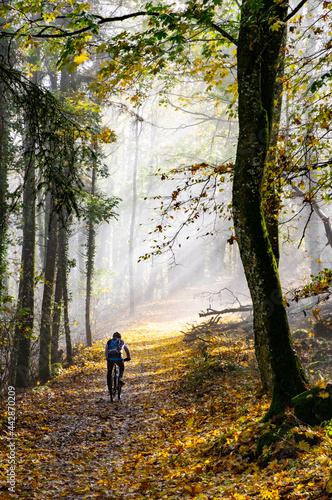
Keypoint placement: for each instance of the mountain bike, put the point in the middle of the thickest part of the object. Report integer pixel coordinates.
(115, 383)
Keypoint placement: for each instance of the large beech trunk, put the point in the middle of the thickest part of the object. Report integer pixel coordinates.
(258, 52)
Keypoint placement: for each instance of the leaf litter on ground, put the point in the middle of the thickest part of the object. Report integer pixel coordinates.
(187, 427)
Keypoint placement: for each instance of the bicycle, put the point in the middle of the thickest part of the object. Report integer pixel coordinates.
(115, 383)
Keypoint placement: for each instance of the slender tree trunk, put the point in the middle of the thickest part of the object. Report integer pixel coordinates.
(57, 308)
(40, 239)
(90, 264)
(258, 52)
(46, 315)
(132, 224)
(4, 137)
(25, 320)
(63, 253)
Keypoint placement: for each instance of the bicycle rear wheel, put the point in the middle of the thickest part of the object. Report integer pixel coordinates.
(114, 383)
(118, 385)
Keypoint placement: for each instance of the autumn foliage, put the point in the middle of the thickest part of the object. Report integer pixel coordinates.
(188, 427)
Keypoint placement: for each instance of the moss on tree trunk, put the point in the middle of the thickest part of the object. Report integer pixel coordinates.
(258, 52)
(314, 406)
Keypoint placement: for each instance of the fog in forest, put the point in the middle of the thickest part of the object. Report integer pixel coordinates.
(180, 124)
(199, 271)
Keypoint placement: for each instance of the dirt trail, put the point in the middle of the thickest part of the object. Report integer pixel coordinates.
(71, 438)
(159, 442)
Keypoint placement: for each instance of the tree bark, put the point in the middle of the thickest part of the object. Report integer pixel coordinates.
(63, 254)
(257, 54)
(132, 224)
(61, 289)
(46, 316)
(57, 307)
(271, 200)
(89, 263)
(25, 320)
(4, 137)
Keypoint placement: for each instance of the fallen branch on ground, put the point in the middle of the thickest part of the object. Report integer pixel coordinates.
(213, 312)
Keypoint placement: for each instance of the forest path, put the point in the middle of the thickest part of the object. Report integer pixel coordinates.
(71, 438)
(196, 441)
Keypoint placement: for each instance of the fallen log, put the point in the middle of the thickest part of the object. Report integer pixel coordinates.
(213, 312)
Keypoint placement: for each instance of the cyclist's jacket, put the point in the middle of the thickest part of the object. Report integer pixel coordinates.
(114, 349)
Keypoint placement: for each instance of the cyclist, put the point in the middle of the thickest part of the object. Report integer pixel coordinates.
(113, 353)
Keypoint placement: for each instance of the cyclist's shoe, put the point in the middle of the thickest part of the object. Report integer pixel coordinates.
(121, 382)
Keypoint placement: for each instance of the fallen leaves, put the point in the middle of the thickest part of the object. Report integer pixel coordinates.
(165, 439)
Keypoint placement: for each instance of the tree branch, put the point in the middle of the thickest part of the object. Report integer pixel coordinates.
(64, 33)
(213, 312)
(224, 33)
(294, 11)
(324, 218)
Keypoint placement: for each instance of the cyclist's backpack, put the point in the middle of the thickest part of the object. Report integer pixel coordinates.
(115, 348)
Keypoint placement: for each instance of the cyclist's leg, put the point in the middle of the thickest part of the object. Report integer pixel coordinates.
(120, 364)
(110, 365)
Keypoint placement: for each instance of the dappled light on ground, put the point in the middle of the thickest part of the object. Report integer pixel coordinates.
(184, 429)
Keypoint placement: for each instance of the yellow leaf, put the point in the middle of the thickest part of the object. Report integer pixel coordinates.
(190, 422)
(315, 312)
(324, 460)
(328, 486)
(303, 445)
(277, 25)
(309, 434)
(81, 58)
(193, 489)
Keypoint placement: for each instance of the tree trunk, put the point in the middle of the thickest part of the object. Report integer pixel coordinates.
(57, 307)
(63, 254)
(271, 200)
(4, 137)
(258, 52)
(25, 320)
(132, 225)
(89, 264)
(46, 315)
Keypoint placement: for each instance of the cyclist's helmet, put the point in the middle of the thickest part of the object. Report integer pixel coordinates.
(116, 335)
